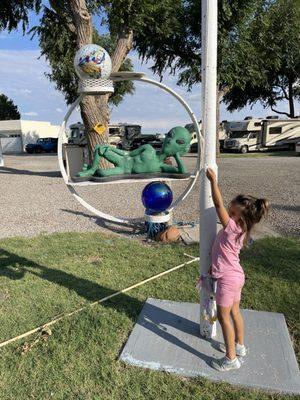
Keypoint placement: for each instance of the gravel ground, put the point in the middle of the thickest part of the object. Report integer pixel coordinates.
(35, 200)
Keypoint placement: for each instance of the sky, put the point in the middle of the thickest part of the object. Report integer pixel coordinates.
(23, 79)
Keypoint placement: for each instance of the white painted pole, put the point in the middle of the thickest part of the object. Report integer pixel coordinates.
(208, 218)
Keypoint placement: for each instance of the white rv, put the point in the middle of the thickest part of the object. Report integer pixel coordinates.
(261, 134)
(76, 134)
(194, 141)
(242, 135)
(280, 133)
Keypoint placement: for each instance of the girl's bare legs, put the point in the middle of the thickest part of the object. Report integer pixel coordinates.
(238, 323)
(228, 331)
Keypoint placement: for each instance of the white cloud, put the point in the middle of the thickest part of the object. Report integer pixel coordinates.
(21, 90)
(194, 98)
(30, 113)
(165, 123)
(26, 91)
(149, 106)
(28, 86)
(4, 35)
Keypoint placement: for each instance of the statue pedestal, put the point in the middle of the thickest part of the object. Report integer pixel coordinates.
(156, 223)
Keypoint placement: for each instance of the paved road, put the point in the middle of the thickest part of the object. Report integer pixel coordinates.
(34, 198)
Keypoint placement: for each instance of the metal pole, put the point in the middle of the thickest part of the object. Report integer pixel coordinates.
(208, 218)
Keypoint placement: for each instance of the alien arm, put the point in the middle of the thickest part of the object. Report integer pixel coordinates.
(140, 150)
(119, 151)
(180, 164)
(169, 168)
(180, 169)
(102, 149)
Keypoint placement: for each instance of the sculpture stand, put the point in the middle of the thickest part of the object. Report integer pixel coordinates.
(100, 87)
(156, 223)
(132, 177)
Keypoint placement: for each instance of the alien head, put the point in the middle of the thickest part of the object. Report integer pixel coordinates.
(177, 140)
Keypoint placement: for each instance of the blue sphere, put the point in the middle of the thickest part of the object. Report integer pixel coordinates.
(157, 197)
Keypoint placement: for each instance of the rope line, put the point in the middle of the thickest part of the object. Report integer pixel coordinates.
(54, 321)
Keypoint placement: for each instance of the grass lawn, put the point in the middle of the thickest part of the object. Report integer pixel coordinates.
(45, 276)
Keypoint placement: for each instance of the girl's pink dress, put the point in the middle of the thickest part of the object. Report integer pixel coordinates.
(226, 267)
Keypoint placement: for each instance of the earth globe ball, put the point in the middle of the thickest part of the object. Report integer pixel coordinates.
(92, 62)
(157, 197)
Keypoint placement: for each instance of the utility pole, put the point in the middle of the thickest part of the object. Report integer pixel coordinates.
(208, 217)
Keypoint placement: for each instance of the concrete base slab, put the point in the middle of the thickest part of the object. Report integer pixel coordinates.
(166, 338)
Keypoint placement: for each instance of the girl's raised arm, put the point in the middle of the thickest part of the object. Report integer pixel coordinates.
(217, 198)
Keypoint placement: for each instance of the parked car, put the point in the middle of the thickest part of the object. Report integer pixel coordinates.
(46, 145)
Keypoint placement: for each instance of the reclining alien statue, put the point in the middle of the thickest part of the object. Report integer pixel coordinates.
(144, 159)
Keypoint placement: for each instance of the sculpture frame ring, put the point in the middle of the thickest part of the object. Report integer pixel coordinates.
(193, 178)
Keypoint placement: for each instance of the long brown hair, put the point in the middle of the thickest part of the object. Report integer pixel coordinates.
(252, 211)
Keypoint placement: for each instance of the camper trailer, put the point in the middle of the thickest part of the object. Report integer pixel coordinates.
(194, 141)
(280, 134)
(262, 134)
(118, 133)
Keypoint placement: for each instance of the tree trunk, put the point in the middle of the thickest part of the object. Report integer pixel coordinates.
(220, 93)
(218, 120)
(95, 109)
(123, 47)
(291, 99)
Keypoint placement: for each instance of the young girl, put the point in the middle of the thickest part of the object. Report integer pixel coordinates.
(242, 214)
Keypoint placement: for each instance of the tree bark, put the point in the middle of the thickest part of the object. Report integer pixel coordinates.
(218, 120)
(291, 99)
(220, 93)
(95, 109)
(123, 47)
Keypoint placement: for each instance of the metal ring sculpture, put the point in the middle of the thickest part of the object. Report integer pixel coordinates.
(72, 186)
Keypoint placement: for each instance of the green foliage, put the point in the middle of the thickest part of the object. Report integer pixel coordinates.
(258, 52)
(8, 110)
(46, 276)
(177, 45)
(14, 11)
(58, 43)
(267, 60)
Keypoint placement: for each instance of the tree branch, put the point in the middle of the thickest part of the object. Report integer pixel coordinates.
(82, 21)
(280, 112)
(284, 91)
(123, 47)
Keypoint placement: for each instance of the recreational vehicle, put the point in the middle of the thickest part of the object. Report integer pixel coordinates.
(280, 134)
(117, 133)
(194, 141)
(262, 134)
(242, 135)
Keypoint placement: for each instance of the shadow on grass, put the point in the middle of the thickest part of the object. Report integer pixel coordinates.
(275, 257)
(15, 267)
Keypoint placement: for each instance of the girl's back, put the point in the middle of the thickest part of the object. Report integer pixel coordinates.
(226, 250)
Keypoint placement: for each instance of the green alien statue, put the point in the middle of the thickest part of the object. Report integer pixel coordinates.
(144, 159)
